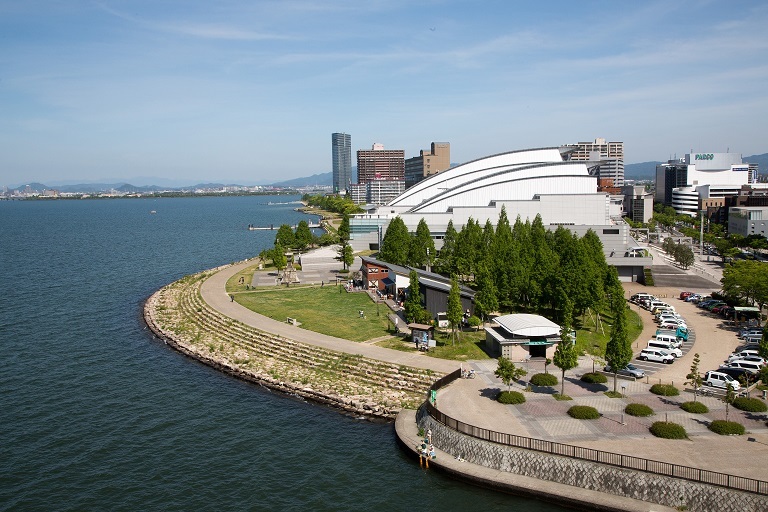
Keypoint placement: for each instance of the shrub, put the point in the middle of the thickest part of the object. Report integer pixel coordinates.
(544, 379)
(665, 389)
(638, 410)
(726, 428)
(750, 404)
(594, 378)
(694, 407)
(583, 412)
(613, 394)
(511, 397)
(558, 396)
(668, 430)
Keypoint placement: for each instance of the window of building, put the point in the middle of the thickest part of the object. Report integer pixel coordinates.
(610, 231)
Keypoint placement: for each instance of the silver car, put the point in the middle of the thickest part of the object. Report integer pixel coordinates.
(630, 370)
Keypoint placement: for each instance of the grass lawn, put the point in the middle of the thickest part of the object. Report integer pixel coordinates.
(321, 309)
(467, 346)
(592, 340)
(246, 274)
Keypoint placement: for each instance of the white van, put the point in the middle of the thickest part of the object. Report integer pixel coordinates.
(721, 380)
(671, 339)
(750, 366)
(666, 347)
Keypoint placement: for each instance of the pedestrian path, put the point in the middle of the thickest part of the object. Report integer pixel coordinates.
(213, 291)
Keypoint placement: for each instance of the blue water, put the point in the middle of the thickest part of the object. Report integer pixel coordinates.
(97, 415)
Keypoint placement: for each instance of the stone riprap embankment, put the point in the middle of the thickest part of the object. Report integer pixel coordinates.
(177, 314)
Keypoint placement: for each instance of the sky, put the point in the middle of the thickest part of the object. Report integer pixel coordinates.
(249, 91)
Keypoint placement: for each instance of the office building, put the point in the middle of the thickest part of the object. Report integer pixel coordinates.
(429, 162)
(376, 192)
(688, 183)
(605, 160)
(380, 163)
(638, 203)
(341, 158)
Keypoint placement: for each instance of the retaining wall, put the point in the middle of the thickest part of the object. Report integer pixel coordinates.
(638, 485)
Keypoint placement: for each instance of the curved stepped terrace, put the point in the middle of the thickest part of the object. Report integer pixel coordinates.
(178, 314)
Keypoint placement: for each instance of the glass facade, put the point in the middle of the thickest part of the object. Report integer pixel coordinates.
(341, 155)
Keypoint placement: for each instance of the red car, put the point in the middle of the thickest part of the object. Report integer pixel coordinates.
(685, 295)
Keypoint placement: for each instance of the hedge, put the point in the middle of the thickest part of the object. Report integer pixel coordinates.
(665, 389)
(544, 379)
(694, 407)
(726, 428)
(594, 378)
(668, 430)
(638, 410)
(750, 404)
(583, 412)
(511, 397)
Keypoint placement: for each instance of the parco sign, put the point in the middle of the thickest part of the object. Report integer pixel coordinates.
(705, 156)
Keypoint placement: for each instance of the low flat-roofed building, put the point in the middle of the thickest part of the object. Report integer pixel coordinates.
(532, 332)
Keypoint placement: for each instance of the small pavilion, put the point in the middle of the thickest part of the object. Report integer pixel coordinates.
(532, 332)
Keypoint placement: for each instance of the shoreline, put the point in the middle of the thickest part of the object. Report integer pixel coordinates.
(398, 385)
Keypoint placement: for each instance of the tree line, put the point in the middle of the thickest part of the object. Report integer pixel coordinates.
(512, 266)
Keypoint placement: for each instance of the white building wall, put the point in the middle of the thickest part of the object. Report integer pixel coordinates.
(464, 173)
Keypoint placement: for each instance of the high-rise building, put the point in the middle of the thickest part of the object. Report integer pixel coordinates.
(380, 163)
(341, 156)
(605, 158)
(429, 162)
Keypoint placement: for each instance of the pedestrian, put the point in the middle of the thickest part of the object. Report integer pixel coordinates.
(429, 436)
(231, 298)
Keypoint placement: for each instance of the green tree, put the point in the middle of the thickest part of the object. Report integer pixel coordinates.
(565, 356)
(343, 230)
(447, 261)
(454, 307)
(683, 255)
(396, 243)
(468, 243)
(303, 237)
(694, 378)
(277, 255)
(486, 301)
(730, 395)
(285, 237)
(412, 304)
(508, 372)
(762, 347)
(422, 249)
(346, 255)
(618, 351)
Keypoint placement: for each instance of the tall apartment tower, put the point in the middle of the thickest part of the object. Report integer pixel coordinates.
(380, 163)
(341, 156)
(437, 159)
(608, 158)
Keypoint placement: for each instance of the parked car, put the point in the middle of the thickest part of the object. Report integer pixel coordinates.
(750, 366)
(672, 324)
(685, 295)
(719, 379)
(694, 297)
(636, 298)
(753, 359)
(718, 309)
(739, 374)
(666, 346)
(743, 354)
(659, 356)
(750, 331)
(712, 305)
(629, 370)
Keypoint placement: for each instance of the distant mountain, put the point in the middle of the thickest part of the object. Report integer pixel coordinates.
(640, 171)
(325, 178)
(760, 160)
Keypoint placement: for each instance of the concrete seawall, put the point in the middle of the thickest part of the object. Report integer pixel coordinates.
(352, 383)
(582, 484)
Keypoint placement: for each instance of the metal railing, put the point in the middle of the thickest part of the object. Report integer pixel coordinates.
(705, 476)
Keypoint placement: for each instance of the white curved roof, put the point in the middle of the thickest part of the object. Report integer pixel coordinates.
(477, 169)
(528, 325)
(514, 183)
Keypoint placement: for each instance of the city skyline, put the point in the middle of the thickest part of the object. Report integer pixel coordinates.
(187, 92)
